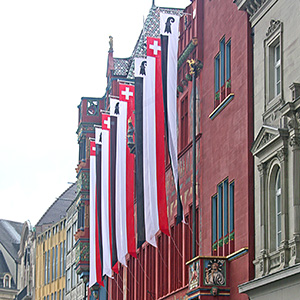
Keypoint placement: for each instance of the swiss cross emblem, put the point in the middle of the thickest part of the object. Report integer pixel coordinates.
(105, 122)
(126, 92)
(153, 46)
(93, 148)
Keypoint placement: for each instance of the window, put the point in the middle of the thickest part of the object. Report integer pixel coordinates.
(53, 263)
(184, 122)
(273, 62)
(222, 64)
(228, 62)
(222, 214)
(56, 261)
(46, 267)
(61, 253)
(59, 297)
(7, 281)
(69, 239)
(65, 256)
(68, 280)
(81, 217)
(274, 51)
(278, 208)
(74, 229)
(82, 149)
(277, 68)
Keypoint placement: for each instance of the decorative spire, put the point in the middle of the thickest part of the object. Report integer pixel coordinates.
(153, 3)
(111, 43)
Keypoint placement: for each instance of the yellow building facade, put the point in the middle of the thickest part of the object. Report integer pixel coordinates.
(51, 262)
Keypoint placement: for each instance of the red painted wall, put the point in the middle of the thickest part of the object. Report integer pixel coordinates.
(226, 140)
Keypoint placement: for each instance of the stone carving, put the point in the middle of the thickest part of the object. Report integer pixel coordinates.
(266, 138)
(282, 154)
(282, 257)
(274, 25)
(295, 141)
(111, 43)
(261, 266)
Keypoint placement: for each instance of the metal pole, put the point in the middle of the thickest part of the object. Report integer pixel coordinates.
(194, 165)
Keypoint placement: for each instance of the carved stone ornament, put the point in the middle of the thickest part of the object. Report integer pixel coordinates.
(274, 25)
(261, 168)
(295, 141)
(261, 266)
(266, 138)
(282, 154)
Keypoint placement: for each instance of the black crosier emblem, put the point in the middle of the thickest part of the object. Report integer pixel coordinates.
(168, 24)
(143, 67)
(117, 109)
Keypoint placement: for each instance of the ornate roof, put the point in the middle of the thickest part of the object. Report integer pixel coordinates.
(121, 66)
(125, 67)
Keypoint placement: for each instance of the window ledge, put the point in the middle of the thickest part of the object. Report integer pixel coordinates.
(221, 106)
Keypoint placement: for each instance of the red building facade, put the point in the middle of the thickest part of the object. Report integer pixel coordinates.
(216, 34)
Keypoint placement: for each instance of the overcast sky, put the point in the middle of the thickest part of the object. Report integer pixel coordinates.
(52, 53)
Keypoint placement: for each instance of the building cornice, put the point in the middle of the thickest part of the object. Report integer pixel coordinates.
(256, 9)
(268, 279)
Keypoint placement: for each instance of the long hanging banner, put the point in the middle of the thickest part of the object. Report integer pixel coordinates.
(154, 51)
(93, 261)
(99, 248)
(112, 194)
(118, 112)
(169, 29)
(140, 71)
(105, 199)
(127, 94)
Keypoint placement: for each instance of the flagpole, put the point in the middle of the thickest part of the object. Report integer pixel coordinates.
(195, 67)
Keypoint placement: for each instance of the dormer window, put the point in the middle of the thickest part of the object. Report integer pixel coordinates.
(7, 281)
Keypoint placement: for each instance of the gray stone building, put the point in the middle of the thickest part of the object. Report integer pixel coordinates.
(27, 259)
(75, 288)
(276, 148)
(10, 235)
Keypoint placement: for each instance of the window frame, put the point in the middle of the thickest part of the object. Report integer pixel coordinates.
(271, 43)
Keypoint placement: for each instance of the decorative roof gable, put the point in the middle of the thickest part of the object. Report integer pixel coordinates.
(266, 136)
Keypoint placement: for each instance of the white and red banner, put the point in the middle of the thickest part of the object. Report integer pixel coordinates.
(154, 50)
(93, 261)
(127, 95)
(169, 29)
(105, 196)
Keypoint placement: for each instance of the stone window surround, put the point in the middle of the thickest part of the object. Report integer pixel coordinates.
(274, 37)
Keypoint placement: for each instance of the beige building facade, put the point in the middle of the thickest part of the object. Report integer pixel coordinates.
(276, 148)
(50, 263)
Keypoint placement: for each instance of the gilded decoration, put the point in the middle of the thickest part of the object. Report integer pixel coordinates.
(194, 274)
(83, 181)
(82, 252)
(214, 272)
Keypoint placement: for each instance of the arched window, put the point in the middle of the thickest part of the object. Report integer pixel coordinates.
(278, 208)
(6, 281)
